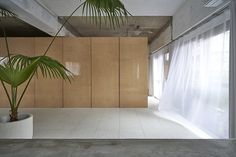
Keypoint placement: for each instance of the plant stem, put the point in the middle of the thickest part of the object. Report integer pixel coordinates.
(14, 96)
(23, 93)
(8, 96)
(61, 28)
(8, 50)
(13, 113)
(7, 46)
(19, 101)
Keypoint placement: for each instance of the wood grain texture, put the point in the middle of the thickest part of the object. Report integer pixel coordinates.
(48, 92)
(133, 72)
(105, 72)
(77, 54)
(23, 46)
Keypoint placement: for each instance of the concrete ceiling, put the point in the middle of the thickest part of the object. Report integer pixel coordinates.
(136, 26)
(149, 16)
(17, 28)
(135, 7)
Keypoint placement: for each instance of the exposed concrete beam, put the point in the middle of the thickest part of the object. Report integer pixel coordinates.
(37, 15)
(169, 23)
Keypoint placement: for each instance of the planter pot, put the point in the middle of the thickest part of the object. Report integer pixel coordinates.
(21, 129)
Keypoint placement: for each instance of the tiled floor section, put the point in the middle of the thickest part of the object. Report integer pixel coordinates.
(104, 124)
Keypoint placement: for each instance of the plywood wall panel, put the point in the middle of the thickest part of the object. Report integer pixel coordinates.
(48, 92)
(133, 72)
(77, 57)
(105, 72)
(111, 72)
(23, 46)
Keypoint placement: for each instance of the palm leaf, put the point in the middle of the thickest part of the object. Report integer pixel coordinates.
(23, 67)
(112, 12)
(52, 68)
(12, 74)
(6, 13)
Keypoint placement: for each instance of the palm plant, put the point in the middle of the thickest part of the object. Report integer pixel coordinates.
(16, 69)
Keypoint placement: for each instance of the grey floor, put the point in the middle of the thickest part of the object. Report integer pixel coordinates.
(117, 148)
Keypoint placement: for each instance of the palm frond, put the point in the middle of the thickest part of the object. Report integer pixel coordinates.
(52, 68)
(111, 12)
(23, 67)
(6, 13)
(14, 75)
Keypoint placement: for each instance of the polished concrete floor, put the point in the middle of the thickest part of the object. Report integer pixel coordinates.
(117, 148)
(105, 123)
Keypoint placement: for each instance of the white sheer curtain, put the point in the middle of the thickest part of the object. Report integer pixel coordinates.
(197, 85)
(151, 93)
(158, 73)
(233, 70)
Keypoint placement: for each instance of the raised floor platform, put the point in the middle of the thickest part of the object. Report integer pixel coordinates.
(117, 148)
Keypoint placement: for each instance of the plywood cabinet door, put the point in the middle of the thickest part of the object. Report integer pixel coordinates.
(23, 46)
(105, 72)
(77, 58)
(48, 92)
(133, 72)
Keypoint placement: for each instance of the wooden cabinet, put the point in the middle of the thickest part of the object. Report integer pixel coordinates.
(23, 46)
(105, 72)
(48, 92)
(77, 58)
(133, 72)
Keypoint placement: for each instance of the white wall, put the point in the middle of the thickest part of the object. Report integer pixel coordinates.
(190, 13)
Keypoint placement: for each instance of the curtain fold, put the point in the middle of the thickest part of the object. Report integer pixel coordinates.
(232, 78)
(151, 93)
(157, 68)
(158, 75)
(197, 84)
